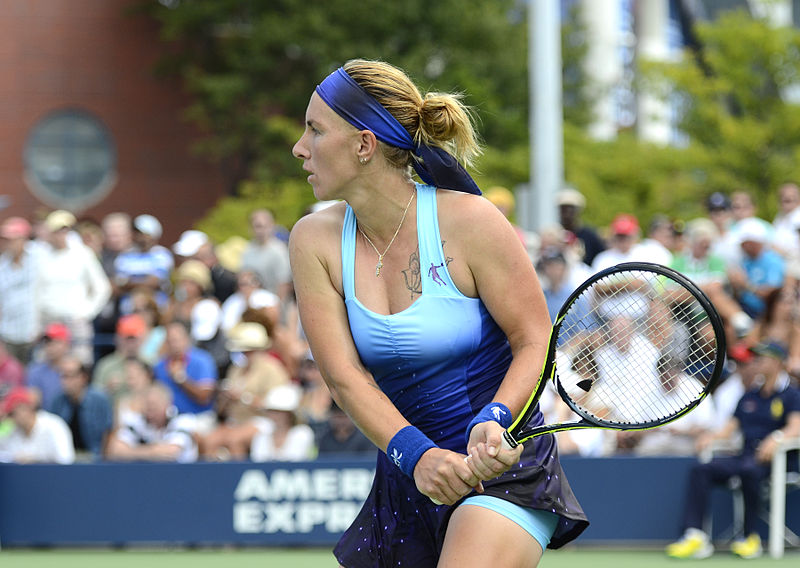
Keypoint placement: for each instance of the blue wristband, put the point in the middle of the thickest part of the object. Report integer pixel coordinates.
(406, 447)
(496, 411)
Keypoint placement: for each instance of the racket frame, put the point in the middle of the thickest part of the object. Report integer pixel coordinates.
(518, 433)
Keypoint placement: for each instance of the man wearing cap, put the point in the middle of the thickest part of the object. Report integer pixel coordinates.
(761, 270)
(282, 436)
(570, 206)
(242, 392)
(743, 214)
(44, 376)
(85, 409)
(19, 315)
(108, 374)
(624, 231)
(147, 264)
(196, 245)
(557, 282)
(766, 414)
(73, 289)
(38, 436)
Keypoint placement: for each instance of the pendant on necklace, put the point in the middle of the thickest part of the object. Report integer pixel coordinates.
(378, 267)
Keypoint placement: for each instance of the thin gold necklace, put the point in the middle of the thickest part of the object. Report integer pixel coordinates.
(380, 256)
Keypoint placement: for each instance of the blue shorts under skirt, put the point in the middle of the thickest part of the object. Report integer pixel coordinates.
(537, 523)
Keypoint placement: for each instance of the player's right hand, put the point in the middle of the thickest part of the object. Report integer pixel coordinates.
(445, 476)
(489, 458)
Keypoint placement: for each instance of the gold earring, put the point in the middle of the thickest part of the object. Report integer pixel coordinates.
(363, 160)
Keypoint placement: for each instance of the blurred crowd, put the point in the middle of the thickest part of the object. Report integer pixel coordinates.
(748, 267)
(116, 346)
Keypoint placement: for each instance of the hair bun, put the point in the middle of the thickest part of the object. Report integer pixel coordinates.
(440, 116)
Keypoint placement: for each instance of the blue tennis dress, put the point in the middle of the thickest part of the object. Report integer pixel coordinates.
(439, 361)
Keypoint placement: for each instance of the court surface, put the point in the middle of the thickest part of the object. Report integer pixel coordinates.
(313, 558)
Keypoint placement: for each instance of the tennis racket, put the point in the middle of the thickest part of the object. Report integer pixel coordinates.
(635, 347)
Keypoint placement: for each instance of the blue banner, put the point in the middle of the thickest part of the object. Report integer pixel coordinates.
(301, 504)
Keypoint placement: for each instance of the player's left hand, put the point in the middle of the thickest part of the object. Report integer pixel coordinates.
(488, 456)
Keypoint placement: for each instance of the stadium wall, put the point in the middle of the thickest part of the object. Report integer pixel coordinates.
(628, 500)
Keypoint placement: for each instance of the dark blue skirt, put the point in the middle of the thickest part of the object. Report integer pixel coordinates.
(398, 526)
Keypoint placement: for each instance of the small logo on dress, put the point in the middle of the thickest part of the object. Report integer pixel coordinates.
(396, 457)
(433, 272)
(497, 412)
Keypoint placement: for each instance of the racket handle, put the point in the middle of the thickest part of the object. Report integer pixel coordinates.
(509, 443)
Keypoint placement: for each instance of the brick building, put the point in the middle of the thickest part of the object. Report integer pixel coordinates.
(86, 124)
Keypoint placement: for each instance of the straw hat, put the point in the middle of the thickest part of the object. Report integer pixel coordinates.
(194, 271)
(247, 336)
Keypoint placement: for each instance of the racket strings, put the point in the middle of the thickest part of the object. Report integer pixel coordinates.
(639, 349)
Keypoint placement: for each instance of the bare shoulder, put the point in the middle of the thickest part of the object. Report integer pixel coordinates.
(472, 218)
(309, 228)
(314, 245)
(318, 233)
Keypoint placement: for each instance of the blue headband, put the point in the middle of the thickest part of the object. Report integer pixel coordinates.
(350, 101)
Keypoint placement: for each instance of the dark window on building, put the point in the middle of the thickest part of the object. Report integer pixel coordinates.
(70, 159)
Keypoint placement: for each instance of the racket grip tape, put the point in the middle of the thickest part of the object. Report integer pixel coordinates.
(509, 443)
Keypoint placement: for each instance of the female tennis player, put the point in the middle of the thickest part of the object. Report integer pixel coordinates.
(429, 325)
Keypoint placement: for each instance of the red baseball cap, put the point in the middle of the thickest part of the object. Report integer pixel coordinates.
(132, 325)
(58, 332)
(17, 396)
(624, 224)
(741, 353)
(15, 228)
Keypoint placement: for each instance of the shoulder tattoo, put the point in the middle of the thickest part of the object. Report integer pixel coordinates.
(413, 274)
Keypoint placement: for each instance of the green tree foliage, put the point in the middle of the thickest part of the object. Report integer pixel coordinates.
(251, 65)
(738, 112)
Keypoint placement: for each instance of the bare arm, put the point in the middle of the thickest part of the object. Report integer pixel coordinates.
(119, 450)
(505, 279)
(766, 449)
(324, 318)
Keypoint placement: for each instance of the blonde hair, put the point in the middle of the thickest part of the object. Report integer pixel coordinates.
(435, 119)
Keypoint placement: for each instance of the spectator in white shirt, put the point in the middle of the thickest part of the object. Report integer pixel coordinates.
(786, 237)
(282, 437)
(38, 436)
(657, 246)
(72, 286)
